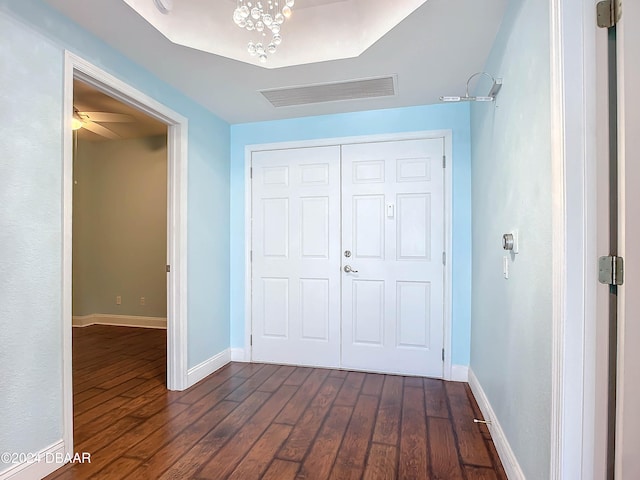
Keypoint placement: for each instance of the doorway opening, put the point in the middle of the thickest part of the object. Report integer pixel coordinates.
(119, 255)
(173, 304)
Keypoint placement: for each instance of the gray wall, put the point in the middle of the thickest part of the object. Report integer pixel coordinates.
(511, 188)
(120, 227)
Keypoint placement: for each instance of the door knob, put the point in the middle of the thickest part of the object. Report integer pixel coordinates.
(348, 269)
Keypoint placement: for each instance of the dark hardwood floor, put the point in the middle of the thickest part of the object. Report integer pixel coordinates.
(256, 421)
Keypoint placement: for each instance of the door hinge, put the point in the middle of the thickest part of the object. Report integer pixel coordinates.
(444, 161)
(443, 354)
(608, 13)
(611, 270)
(444, 258)
(168, 268)
(251, 255)
(250, 172)
(251, 340)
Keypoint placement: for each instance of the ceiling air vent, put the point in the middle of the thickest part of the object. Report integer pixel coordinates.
(331, 92)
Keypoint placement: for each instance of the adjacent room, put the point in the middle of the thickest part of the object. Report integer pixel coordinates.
(119, 258)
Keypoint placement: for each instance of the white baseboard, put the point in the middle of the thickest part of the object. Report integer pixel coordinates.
(120, 320)
(36, 469)
(459, 373)
(206, 368)
(237, 355)
(508, 458)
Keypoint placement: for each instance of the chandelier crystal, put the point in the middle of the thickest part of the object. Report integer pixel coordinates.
(266, 18)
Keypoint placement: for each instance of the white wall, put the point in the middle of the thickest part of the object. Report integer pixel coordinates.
(511, 189)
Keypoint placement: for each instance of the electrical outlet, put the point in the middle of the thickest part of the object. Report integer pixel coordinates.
(142, 301)
(118, 300)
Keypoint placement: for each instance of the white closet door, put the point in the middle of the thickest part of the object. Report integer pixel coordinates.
(296, 251)
(392, 225)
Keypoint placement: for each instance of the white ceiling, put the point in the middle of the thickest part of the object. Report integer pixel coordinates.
(433, 51)
(318, 31)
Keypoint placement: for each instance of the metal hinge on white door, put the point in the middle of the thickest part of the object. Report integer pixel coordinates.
(444, 161)
(444, 258)
(443, 354)
(611, 270)
(608, 13)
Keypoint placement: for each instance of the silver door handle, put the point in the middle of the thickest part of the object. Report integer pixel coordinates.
(348, 269)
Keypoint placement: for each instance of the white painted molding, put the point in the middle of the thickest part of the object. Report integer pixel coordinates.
(238, 355)
(120, 320)
(507, 457)
(574, 237)
(37, 469)
(459, 373)
(67, 256)
(209, 366)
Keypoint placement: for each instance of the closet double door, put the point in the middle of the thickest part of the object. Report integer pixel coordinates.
(347, 256)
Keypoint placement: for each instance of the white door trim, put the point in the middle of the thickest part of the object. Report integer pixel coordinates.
(177, 141)
(574, 226)
(627, 463)
(448, 197)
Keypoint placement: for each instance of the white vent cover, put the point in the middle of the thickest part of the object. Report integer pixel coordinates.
(331, 92)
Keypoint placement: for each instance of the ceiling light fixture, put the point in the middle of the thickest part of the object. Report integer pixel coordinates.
(76, 121)
(264, 17)
(490, 97)
(76, 124)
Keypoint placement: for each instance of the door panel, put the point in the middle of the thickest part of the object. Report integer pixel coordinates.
(393, 223)
(315, 227)
(368, 307)
(275, 307)
(275, 235)
(368, 226)
(413, 301)
(296, 251)
(414, 227)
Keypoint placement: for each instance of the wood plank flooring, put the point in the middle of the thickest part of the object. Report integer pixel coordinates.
(257, 421)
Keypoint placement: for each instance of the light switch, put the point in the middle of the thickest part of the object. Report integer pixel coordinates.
(505, 266)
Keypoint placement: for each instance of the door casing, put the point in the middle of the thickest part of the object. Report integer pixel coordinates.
(450, 372)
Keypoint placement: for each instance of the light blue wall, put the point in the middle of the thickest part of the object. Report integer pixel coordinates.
(511, 172)
(434, 117)
(30, 242)
(32, 42)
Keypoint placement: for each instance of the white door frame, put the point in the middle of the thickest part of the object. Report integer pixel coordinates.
(627, 463)
(574, 414)
(448, 197)
(177, 141)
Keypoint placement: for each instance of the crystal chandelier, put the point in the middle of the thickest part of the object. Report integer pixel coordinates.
(265, 17)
